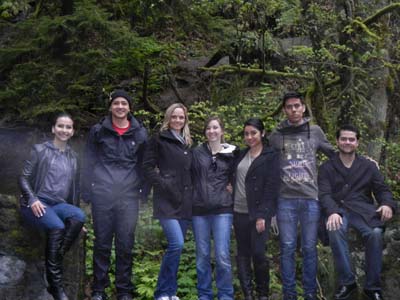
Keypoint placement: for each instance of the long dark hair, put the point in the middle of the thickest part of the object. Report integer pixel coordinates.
(61, 115)
(259, 125)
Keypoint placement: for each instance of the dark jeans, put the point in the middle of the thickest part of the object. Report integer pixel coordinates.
(250, 243)
(372, 238)
(292, 212)
(54, 217)
(118, 222)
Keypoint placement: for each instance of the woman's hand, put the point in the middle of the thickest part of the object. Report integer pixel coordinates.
(260, 225)
(229, 188)
(38, 208)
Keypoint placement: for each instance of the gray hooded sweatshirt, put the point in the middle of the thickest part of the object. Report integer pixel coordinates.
(298, 146)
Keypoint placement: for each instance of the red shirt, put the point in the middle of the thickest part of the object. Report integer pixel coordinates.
(119, 130)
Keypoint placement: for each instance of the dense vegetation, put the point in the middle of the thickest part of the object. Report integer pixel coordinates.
(69, 54)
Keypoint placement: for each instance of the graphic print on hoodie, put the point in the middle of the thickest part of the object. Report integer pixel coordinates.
(298, 146)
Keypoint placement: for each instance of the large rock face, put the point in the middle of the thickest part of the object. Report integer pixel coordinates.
(22, 270)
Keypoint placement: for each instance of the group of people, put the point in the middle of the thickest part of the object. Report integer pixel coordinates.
(212, 186)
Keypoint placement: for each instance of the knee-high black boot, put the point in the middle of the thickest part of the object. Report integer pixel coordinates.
(261, 270)
(72, 229)
(54, 260)
(244, 274)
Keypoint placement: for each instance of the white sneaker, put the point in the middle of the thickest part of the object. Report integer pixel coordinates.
(174, 298)
(163, 298)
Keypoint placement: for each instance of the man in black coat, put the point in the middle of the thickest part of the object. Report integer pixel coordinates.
(112, 182)
(348, 184)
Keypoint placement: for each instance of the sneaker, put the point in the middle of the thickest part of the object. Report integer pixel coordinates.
(374, 294)
(344, 292)
(125, 297)
(99, 296)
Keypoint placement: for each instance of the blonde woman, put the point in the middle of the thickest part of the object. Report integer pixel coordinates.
(167, 161)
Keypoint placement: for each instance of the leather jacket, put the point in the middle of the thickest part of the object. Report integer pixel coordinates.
(36, 168)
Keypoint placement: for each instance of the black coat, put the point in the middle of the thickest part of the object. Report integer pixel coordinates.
(210, 179)
(352, 189)
(262, 183)
(36, 168)
(111, 169)
(166, 165)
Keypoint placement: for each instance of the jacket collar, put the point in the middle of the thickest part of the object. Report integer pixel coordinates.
(50, 145)
(342, 170)
(167, 134)
(228, 150)
(258, 161)
(106, 122)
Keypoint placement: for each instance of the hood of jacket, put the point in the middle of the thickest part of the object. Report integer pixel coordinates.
(286, 128)
(227, 148)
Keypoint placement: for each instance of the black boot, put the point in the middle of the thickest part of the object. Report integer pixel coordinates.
(54, 259)
(261, 270)
(245, 278)
(72, 229)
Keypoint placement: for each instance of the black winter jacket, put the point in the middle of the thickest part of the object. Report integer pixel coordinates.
(210, 179)
(111, 169)
(36, 168)
(352, 189)
(262, 183)
(166, 165)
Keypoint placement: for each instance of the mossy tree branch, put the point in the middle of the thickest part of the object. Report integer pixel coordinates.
(228, 69)
(387, 9)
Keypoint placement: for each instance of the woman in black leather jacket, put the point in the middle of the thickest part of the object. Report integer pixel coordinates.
(255, 191)
(49, 185)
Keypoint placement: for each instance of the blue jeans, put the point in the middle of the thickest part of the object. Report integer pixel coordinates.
(175, 231)
(372, 238)
(54, 217)
(290, 213)
(219, 227)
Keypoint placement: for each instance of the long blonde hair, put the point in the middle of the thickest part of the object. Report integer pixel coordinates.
(167, 119)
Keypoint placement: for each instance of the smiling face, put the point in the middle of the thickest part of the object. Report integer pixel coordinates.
(177, 120)
(119, 108)
(252, 136)
(63, 129)
(347, 142)
(294, 110)
(213, 131)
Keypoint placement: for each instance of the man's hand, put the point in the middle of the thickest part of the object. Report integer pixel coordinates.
(260, 225)
(38, 209)
(386, 212)
(334, 222)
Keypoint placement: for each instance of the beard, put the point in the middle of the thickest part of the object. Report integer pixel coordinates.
(347, 151)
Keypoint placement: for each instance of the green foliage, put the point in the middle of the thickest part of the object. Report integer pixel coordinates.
(68, 61)
(392, 168)
(11, 9)
(235, 112)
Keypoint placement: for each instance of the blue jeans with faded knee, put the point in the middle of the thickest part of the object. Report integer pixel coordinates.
(175, 231)
(372, 238)
(54, 217)
(292, 212)
(216, 227)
